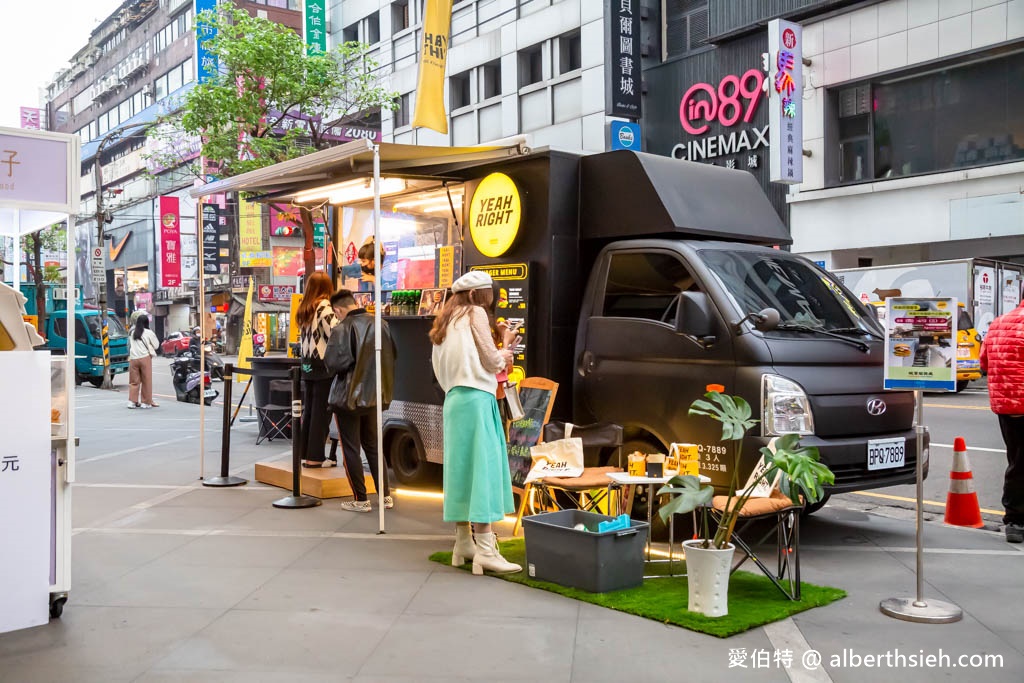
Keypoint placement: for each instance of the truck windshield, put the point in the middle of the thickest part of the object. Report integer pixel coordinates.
(803, 295)
(114, 327)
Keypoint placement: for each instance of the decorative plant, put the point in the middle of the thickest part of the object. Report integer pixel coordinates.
(803, 474)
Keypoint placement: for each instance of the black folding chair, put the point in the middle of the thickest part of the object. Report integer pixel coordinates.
(275, 418)
(784, 516)
(591, 489)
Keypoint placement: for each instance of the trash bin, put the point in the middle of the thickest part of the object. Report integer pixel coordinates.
(595, 562)
(272, 395)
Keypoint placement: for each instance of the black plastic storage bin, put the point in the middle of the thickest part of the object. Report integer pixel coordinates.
(595, 562)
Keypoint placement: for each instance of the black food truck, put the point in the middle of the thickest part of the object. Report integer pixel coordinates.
(636, 281)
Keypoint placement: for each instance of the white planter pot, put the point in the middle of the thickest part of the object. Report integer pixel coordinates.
(707, 576)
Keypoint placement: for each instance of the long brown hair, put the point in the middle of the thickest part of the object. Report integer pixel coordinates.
(458, 305)
(318, 288)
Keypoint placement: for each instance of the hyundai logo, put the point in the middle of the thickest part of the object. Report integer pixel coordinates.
(876, 407)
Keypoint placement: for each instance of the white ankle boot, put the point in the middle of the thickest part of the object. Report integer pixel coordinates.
(488, 558)
(465, 549)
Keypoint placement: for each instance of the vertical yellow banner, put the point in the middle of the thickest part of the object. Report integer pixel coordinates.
(430, 110)
(245, 348)
(250, 226)
(293, 327)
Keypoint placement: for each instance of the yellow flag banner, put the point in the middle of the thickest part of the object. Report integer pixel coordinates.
(245, 348)
(293, 327)
(430, 111)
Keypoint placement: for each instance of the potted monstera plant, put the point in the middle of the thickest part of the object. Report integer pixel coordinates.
(709, 559)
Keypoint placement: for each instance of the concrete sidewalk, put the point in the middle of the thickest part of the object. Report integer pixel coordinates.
(176, 582)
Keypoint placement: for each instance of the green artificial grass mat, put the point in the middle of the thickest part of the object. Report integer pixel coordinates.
(753, 599)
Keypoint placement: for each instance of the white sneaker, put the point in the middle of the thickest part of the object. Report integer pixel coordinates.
(357, 506)
(132, 405)
(144, 406)
(389, 502)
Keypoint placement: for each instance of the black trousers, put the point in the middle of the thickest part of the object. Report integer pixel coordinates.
(315, 418)
(359, 429)
(1013, 482)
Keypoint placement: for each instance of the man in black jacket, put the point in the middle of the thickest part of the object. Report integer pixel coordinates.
(353, 398)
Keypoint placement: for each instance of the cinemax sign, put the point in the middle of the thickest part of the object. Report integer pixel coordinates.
(731, 103)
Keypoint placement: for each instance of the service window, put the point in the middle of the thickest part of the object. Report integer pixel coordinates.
(645, 285)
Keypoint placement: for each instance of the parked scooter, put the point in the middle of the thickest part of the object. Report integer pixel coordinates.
(214, 363)
(189, 384)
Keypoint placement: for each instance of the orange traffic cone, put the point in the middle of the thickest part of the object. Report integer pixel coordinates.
(962, 507)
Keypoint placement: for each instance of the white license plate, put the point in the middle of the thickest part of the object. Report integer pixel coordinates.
(884, 454)
(963, 353)
(210, 393)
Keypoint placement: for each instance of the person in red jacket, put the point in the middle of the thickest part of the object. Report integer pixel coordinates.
(1002, 357)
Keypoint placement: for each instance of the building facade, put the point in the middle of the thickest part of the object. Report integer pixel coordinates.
(514, 67)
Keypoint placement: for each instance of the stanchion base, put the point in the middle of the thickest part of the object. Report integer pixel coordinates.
(925, 612)
(296, 502)
(246, 418)
(225, 481)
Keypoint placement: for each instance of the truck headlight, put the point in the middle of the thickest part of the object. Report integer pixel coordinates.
(785, 408)
(96, 360)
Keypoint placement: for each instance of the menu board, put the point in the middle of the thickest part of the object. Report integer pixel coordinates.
(513, 280)
(525, 432)
(920, 342)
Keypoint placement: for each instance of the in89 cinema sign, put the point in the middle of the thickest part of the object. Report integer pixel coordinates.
(730, 103)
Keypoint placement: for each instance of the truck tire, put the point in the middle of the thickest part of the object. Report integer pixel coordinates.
(409, 462)
(96, 381)
(961, 384)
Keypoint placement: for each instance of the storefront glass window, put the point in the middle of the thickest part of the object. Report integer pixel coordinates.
(960, 117)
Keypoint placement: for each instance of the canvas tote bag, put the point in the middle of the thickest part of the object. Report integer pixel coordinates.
(559, 458)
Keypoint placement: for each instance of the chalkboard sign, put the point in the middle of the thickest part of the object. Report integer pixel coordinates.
(526, 432)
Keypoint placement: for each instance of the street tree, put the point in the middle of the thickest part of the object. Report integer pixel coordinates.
(271, 100)
(47, 240)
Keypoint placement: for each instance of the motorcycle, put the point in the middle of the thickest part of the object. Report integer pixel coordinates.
(214, 363)
(259, 345)
(189, 383)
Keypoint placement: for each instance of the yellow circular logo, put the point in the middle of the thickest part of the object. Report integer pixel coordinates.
(494, 215)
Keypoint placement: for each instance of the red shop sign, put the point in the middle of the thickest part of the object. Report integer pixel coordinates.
(734, 99)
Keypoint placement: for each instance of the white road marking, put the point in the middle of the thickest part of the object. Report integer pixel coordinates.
(971, 448)
(146, 447)
(785, 635)
(901, 549)
(259, 533)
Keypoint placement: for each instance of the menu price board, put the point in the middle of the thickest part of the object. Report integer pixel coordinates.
(513, 280)
(920, 343)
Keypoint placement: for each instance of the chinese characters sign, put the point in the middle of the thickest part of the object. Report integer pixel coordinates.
(250, 226)
(785, 121)
(315, 22)
(34, 168)
(206, 61)
(622, 55)
(211, 246)
(30, 118)
(276, 292)
(170, 242)
(920, 343)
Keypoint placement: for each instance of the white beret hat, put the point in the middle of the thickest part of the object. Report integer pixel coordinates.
(474, 279)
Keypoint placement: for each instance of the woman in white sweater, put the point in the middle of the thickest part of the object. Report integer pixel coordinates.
(142, 347)
(477, 484)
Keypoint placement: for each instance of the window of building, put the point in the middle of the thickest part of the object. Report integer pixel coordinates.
(531, 65)
(172, 80)
(685, 27)
(350, 34)
(373, 28)
(283, 4)
(930, 122)
(570, 52)
(459, 90)
(491, 76)
(400, 19)
(403, 114)
(645, 285)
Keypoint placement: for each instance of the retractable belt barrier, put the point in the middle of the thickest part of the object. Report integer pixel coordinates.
(226, 479)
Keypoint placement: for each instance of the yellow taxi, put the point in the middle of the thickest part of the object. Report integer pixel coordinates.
(968, 345)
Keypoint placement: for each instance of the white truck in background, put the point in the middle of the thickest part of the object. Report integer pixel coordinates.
(986, 288)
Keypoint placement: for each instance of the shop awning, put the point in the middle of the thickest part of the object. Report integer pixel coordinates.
(627, 193)
(355, 159)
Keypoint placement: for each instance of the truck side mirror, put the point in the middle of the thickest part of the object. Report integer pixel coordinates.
(694, 316)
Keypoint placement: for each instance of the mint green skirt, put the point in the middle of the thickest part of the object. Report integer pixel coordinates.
(477, 483)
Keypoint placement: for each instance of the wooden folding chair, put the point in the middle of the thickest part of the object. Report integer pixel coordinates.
(526, 492)
(591, 489)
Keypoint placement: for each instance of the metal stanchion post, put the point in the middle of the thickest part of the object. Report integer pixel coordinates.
(918, 609)
(226, 479)
(297, 500)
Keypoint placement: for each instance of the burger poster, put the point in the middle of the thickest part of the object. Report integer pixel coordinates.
(920, 342)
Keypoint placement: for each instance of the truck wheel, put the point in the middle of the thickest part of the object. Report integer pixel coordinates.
(961, 384)
(96, 381)
(410, 465)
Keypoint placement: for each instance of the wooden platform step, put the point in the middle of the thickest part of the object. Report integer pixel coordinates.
(320, 482)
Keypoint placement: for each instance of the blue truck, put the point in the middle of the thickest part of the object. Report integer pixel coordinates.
(88, 334)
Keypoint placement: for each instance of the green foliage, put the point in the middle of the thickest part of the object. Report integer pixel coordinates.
(802, 471)
(267, 83)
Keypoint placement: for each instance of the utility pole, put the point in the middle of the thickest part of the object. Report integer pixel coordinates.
(108, 382)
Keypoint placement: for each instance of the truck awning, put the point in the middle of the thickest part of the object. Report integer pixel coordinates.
(633, 194)
(355, 159)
